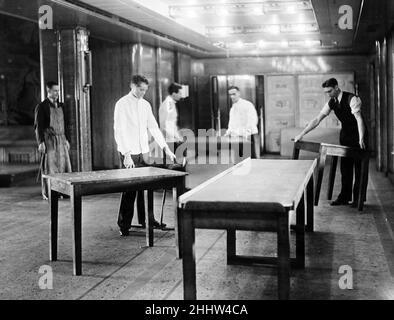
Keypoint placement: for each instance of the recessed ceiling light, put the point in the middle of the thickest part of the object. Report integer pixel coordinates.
(239, 44)
(222, 12)
(258, 11)
(291, 9)
(284, 43)
(274, 29)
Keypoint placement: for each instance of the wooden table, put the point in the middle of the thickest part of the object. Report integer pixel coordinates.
(311, 146)
(77, 185)
(255, 195)
(335, 151)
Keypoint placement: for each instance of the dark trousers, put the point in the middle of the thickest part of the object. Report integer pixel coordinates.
(126, 210)
(350, 167)
(252, 150)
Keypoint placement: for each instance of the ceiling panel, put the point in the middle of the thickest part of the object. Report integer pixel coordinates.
(210, 31)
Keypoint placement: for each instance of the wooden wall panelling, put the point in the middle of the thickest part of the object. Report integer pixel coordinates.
(183, 76)
(68, 61)
(48, 58)
(111, 80)
(390, 103)
(384, 109)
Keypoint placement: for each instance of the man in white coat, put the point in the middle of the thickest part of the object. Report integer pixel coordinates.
(133, 119)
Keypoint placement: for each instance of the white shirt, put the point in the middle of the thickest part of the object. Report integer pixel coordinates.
(133, 118)
(243, 119)
(355, 105)
(168, 116)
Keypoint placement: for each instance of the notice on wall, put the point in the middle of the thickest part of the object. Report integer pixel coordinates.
(280, 108)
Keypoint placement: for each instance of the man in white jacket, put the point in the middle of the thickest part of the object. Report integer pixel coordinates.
(133, 119)
(243, 119)
(168, 117)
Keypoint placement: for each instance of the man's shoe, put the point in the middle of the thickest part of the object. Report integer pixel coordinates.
(339, 202)
(354, 204)
(124, 233)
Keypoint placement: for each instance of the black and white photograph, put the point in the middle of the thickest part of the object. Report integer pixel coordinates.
(193, 157)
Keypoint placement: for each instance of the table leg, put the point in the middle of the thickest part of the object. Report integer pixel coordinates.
(333, 169)
(176, 193)
(189, 259)
(296, 152)
(149, 218)
(76, 213)
(231, 245)
(53, 231)
(310, 206)
(300, 233)
(283, 257)
(322, 163)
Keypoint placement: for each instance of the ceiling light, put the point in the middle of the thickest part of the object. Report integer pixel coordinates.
(258, 11)
(222, 12)
(261, 44)
(291, 9)
(299, 28)
(190, 14)
(274, 29)
(239, 44)
(306, 43)
(284, 44)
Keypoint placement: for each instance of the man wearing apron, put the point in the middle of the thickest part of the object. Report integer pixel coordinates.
(49, 125)
(347, 108)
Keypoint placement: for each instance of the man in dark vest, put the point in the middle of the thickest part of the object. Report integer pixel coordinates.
(347, 108)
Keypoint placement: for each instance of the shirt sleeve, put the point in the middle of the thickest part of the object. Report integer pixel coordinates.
(355, 105)
(154, 129)
(168, 125)
(231, 121)
(253, 119)
(326, 110)
(39, 120)
(119, 129)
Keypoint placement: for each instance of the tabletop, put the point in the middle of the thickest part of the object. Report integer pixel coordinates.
(252, 182)
(119, 175)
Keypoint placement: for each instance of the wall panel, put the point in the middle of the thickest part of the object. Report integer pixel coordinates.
(111, 78)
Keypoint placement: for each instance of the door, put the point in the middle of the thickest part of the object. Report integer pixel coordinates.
(220, 101)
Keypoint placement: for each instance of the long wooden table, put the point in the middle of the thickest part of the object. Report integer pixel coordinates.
(255, 195)
(335, 151)
(77, 185)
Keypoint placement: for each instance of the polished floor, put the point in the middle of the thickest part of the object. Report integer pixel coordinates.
(123, 268)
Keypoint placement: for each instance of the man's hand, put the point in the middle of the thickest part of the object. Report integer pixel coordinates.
(41, 147)
(68, 145)
(128, 161)
(362, 144)
(170, 154)
(298, 138)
